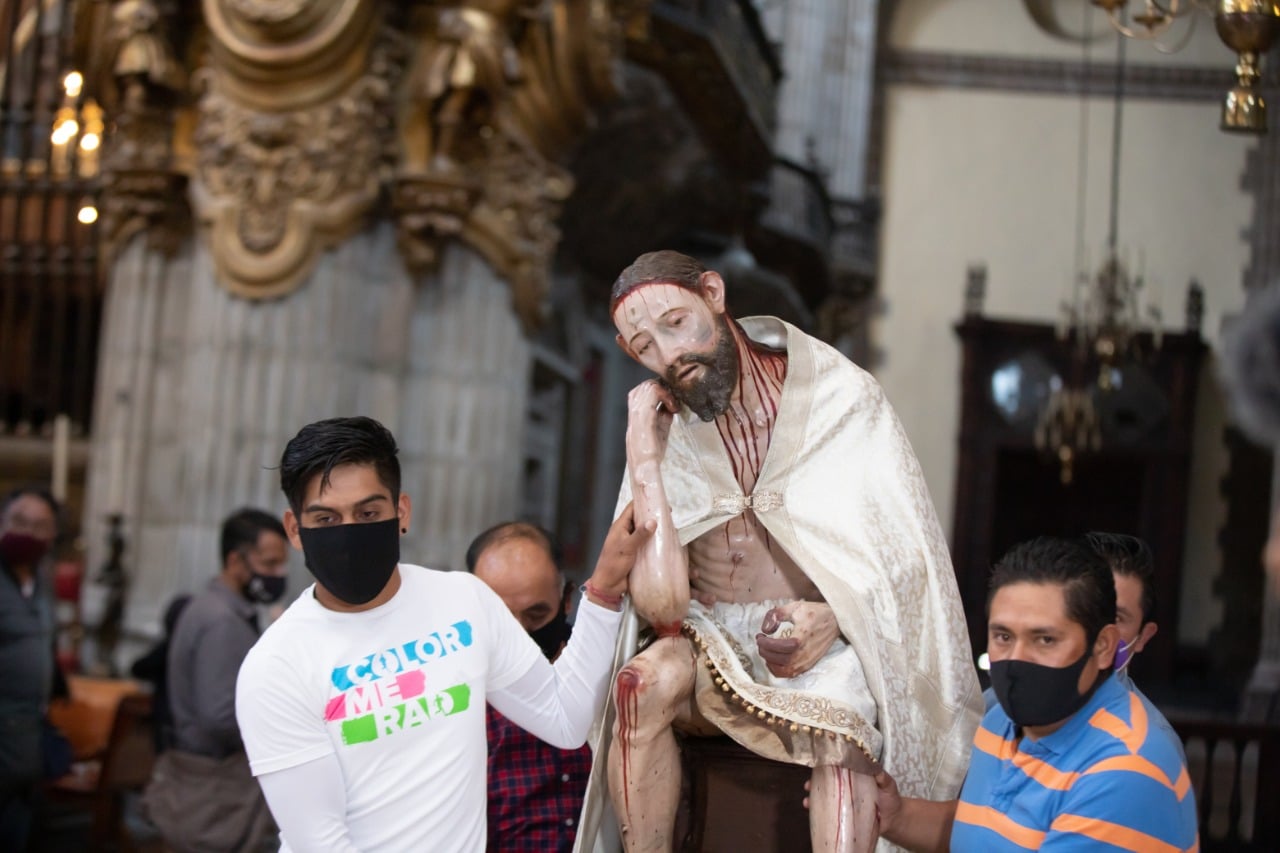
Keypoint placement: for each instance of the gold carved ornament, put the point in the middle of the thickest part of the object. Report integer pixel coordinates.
(289, 140)
(135, 74)
(493, 93)
(305, 109)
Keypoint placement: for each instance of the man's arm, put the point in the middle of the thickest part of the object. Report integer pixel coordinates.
(290, 752)
(919, 825)
(309, 803)
(557, 703)
(660, 581)
(618, 555)
(216, 661)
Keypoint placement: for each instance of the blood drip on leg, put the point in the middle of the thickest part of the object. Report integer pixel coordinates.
(628, 703)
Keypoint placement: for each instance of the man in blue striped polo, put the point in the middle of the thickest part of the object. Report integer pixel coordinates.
(1070, 758)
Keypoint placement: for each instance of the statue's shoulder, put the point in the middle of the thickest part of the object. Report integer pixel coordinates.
(829, 369)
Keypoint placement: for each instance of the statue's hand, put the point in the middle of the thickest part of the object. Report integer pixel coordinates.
(650, 408)
(791, 649)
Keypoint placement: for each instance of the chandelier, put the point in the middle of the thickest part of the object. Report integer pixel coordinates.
(1248, 27)
(1105, 317)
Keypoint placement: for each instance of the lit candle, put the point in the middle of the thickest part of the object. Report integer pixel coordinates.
(61, 454)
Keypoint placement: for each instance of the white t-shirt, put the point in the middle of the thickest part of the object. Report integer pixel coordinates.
(397, 693)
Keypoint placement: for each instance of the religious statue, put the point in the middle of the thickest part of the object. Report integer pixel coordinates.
(798, 582)
(143, 58)
(468, 63)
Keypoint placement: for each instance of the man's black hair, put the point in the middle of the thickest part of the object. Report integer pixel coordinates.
(1131, 557)
(39, 492)
(1088, 587)
(241, 529)
(320, 447)
(507, 531)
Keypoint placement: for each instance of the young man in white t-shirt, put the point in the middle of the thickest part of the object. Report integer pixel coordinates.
(363, 707)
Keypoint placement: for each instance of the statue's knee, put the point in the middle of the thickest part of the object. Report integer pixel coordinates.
(629, 687)
(640, 695)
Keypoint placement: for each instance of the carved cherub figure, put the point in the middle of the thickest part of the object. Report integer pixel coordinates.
(143, 57)
(467, 62)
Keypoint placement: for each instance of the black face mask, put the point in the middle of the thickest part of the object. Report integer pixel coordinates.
(352, 561)
(1036, 695)
(551, 636)
(264, 589)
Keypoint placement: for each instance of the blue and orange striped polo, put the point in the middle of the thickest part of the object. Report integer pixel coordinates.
(1110, 779)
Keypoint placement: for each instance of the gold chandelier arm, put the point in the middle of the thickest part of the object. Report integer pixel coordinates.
(1152, 22)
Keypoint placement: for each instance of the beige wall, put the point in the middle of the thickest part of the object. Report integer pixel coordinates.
(986, 176)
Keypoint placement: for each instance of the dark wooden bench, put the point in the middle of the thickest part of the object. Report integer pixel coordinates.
(733, 800)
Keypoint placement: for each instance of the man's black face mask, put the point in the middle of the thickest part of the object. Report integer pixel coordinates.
(1036, 695)
(352, 561)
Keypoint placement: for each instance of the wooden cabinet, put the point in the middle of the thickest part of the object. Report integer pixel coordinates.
(1136, 482)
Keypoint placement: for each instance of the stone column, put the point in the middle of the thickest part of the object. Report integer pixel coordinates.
(199, 391)
(462, 412)
(373, 235)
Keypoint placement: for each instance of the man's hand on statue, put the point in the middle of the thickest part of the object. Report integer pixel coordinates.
(888, 802)
(793, 637)
(650, 409)
(618, 554)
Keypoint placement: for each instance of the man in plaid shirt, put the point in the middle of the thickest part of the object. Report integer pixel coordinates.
(535, 790)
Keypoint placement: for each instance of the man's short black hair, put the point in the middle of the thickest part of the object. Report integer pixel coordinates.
(39, 492)
(241, 529)
(1131, 557)
(320, 447)
(507, 531)
(1088, 588)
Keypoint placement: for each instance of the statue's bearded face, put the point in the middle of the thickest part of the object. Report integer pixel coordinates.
(672, 331)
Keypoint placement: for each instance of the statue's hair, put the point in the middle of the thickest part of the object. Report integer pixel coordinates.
(1250, 366)
(661, 267)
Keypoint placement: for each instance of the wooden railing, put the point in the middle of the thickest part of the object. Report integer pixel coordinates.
(1235, 770)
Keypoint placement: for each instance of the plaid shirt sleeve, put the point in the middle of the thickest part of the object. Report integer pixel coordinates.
(535, 790)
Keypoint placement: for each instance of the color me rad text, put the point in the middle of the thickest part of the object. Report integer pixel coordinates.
(392, 719)
(386, 692)
(409, 656)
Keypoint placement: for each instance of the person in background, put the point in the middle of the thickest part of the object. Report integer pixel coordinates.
(1134, 573)
(535, 790)
(1068, 759)
(153, 668)
(28, 528)
(1133, 570)
(202, 796)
